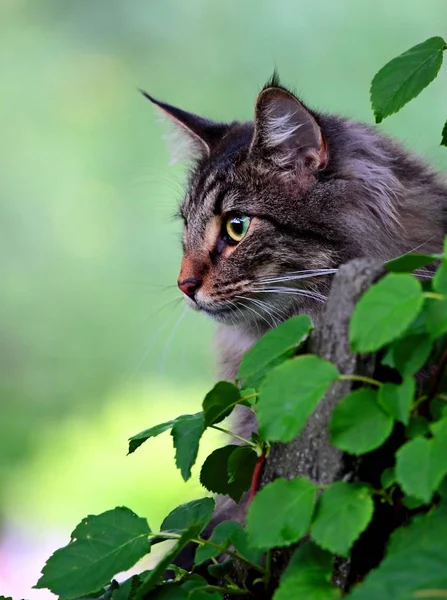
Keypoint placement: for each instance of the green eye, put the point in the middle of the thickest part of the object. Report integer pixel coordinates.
(236, 226)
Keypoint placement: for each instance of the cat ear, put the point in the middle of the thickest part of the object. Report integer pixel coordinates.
(191, 136)
(286, 131)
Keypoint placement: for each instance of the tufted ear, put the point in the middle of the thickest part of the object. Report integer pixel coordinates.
(192, 136)
(286, 131)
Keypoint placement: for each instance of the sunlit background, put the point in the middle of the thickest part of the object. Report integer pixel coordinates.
(93, 349)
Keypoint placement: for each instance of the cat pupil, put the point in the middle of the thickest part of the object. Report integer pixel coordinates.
(238, 226)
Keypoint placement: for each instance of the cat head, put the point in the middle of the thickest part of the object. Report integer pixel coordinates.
(274, 206)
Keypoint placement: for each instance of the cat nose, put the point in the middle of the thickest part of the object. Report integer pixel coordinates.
(189, 286)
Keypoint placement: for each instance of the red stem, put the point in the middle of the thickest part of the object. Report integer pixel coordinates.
(256, 479)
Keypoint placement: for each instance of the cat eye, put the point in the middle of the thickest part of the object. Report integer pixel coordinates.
(236, 227)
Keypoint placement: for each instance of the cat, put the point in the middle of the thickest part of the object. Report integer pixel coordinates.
(273, 207)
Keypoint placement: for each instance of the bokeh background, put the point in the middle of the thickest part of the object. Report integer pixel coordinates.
(93, 345)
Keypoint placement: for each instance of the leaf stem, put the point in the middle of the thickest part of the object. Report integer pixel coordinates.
(362, 378)
(235, 435)
(434, 295)
(169, 535)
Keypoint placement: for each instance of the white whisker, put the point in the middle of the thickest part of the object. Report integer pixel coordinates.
(255, 311)
(171, 337)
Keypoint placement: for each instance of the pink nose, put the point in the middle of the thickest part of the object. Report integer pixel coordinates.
(189, 286)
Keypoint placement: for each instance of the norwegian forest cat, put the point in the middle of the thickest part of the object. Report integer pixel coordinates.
(274, 206)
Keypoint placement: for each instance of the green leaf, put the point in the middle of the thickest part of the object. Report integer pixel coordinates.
(440, 278)
(388, 478)
(186, 434)
(169, 591)
(200, 594)
(444, 135)
(154, 577)
(127, 588)
(225, 534)
(398, 399)
(138, 439)
(384, 312)
(222, 536)
(416, 560)
(417, 427)
(282, 341)
(241, 465)
(280, 513)
(194, 581)
(420, 467)
(411, 502)
(436, 317)
(219, 402)
(404, 77)
(196, 513)
(214, 473)
(222, 569)
(358, 424)
(409, 354)
(101, 546)
(407, 263)
(343, 513)
(290, 393)
(308, 575)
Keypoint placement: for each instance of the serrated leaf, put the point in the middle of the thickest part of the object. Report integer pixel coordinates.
(416, 560)
(343, 513)
(282, 341)
(290, 393)
(388, 478)
(280, 513)
(358, 424)
(385, 311)
(444, 135)
(186, 434)
(219, 402)
(101, 546)
(154, 576)
(397, 399)
(407, 263)
(420, 468)
(308, 575)
(404, 77)
(409, 354)
(196, 513)
(136, 440)
(214, 473)
(436, 317)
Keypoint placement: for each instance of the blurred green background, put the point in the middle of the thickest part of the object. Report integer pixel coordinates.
(91, 348)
